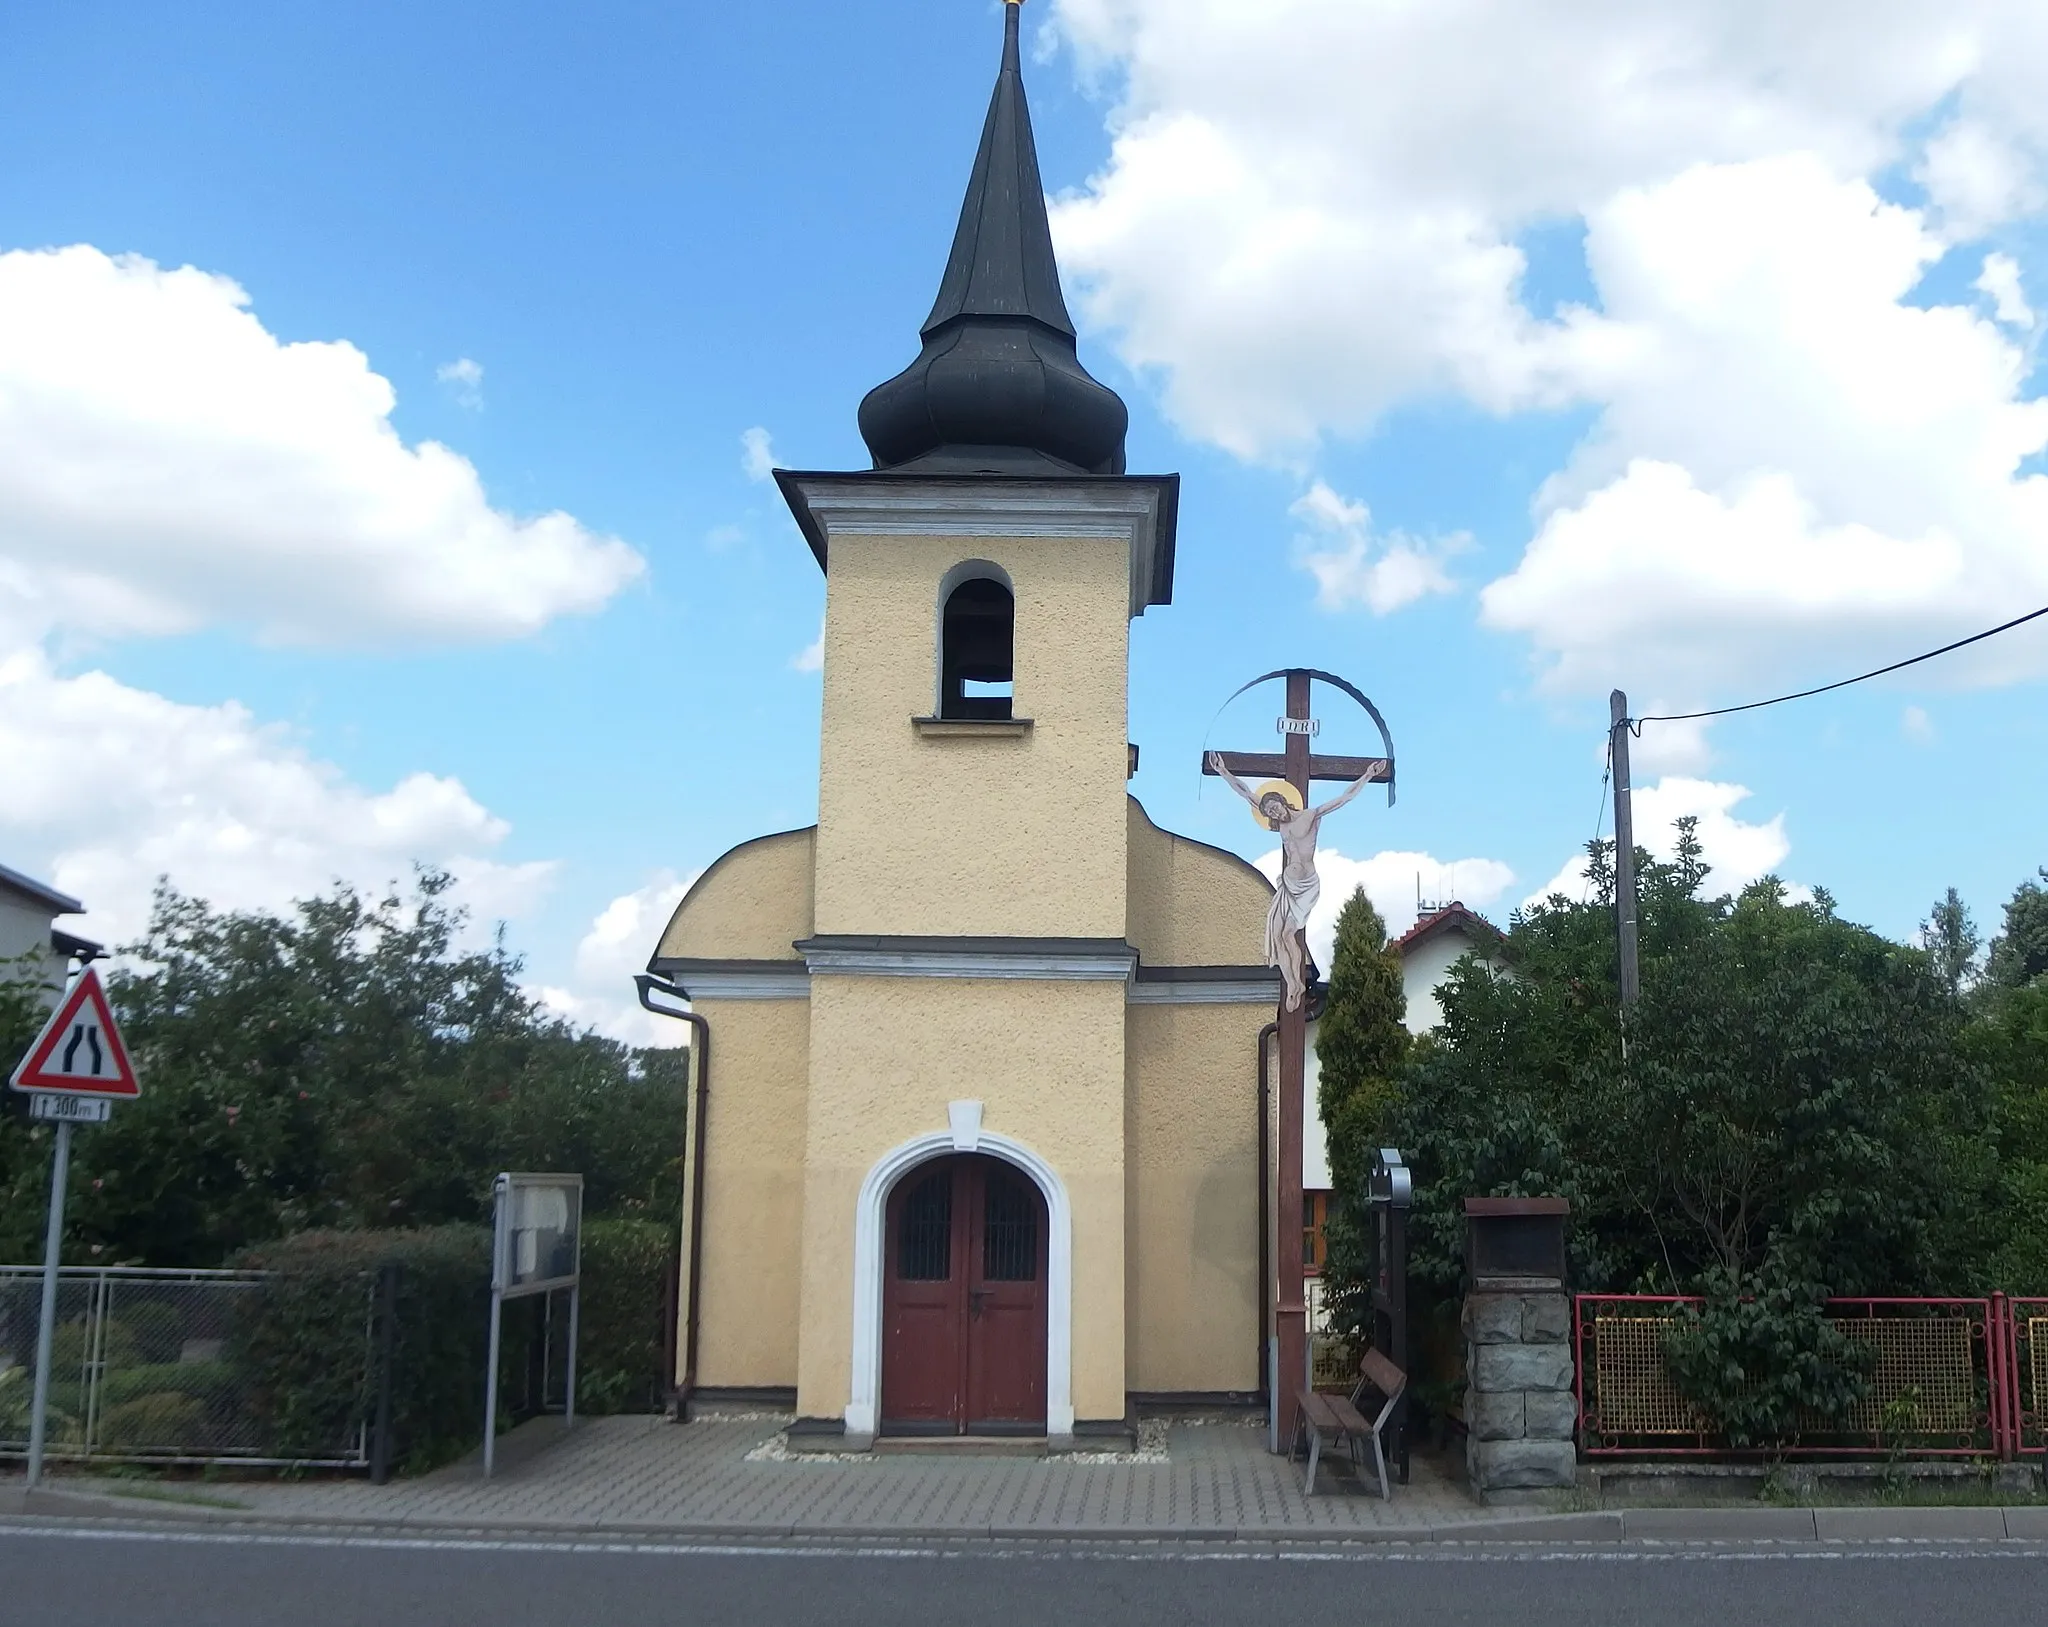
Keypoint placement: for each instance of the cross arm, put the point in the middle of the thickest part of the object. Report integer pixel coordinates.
(1273, 765)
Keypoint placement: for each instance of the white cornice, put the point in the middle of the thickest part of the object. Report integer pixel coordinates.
(1126, 511)
(790, 982)
(1035, 967)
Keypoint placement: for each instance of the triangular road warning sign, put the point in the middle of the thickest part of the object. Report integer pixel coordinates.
(79, 1050)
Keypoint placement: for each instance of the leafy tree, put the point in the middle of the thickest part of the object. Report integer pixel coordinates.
(2019, 954)
(1793, 1114)
(2010, 1042)
(1952, 941)
(350, 1064)
(1361, 1045)
(24, 1148)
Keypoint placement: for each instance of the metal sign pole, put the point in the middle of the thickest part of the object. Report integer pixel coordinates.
(497, 1308)
(46, 1328)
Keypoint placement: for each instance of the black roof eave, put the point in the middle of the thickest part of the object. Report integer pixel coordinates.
(59, 903)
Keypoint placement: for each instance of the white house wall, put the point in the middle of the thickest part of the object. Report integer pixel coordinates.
(25, 930)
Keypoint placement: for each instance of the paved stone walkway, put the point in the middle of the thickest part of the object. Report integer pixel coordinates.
(1218, 1481)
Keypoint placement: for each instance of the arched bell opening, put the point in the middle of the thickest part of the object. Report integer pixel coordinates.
(977, 647)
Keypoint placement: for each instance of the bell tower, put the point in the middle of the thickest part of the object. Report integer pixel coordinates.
(980, 581)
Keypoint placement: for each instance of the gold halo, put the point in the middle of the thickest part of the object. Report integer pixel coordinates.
(1280, 788)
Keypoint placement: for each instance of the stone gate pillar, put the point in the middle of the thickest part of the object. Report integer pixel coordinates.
(1521, 1413)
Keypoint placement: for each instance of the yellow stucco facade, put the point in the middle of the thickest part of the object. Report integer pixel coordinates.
(984, 944)
(906, 839)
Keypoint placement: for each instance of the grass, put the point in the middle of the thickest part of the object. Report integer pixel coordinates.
(177, 1494)
(1978, 1492)
(150, 1484)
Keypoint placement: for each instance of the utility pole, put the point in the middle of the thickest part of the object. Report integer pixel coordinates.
(1624, 849)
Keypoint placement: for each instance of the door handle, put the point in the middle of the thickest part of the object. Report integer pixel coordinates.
(975, 1299)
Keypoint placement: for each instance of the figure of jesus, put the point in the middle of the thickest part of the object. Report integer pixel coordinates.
(1299, 886)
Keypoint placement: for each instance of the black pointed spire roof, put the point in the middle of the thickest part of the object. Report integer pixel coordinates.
(998, 387)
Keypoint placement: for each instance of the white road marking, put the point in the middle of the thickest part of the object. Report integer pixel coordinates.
(1164, 1550)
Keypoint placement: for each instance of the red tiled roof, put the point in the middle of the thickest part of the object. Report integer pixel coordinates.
(1450, 918)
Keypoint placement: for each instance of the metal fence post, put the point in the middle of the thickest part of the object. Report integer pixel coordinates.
(387, 1356)
(2001, 1362)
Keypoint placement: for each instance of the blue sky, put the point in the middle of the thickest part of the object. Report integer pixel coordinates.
(1486, 392)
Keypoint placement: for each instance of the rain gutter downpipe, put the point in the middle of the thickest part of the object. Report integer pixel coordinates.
(648, 984)
(1265, 1190)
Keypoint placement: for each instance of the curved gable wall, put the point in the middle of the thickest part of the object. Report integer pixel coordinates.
(752, 904)
(1190, 904)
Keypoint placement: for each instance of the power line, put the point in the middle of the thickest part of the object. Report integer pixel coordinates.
(1636, 723)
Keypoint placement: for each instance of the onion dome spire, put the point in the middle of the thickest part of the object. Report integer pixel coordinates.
(997, 387)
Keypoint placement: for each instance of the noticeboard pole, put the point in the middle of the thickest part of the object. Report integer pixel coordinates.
(575, 1309)
(46, 1327)
(497, 1317)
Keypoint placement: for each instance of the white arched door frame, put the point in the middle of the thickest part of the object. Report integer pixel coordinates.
(964, 1134)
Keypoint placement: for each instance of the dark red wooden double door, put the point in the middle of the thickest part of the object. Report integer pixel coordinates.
(963, 1301)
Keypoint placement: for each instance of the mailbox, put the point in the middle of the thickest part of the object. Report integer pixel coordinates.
(1515, 1240)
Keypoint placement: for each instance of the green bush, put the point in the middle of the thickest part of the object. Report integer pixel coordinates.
(620, 1334)
(1760, 1357)
(161, 1420)
(202, 1380)
(305, 1344)
(304, 1348)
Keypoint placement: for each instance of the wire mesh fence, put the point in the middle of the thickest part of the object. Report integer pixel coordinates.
(1937, 1383)
(2028, 1322)
(149, 1366)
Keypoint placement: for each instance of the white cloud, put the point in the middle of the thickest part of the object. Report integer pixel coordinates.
(1667, 748)
(1917, 726)
(611, 953)
(166, 463)
(107, 787)
(465, 381)
(1999, 281)
(1977, 178)
(811, 658)
(1800, 473)
(1313, 211)
(1738, 850)
(1353, 566)
(757, 453)
(1311, 207)
(1390, 879)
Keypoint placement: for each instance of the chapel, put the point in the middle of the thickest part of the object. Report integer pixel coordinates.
(978, 1143)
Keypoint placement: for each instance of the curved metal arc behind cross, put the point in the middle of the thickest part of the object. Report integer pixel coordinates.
(1315, 674)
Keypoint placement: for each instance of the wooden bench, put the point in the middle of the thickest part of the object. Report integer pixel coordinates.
(1337, 1420)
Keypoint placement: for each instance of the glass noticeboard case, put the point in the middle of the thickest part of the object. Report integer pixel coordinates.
(539, 1234)
(536, 1248)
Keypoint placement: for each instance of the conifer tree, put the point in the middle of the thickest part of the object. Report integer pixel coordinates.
(1950, 937)
(1361, 1044)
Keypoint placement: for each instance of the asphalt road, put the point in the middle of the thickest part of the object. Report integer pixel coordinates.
(159, 1577)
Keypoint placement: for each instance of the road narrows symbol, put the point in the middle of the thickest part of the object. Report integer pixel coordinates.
(79, 1051)
(83, 1033)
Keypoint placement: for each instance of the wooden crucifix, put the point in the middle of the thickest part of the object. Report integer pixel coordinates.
(1297, 821)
